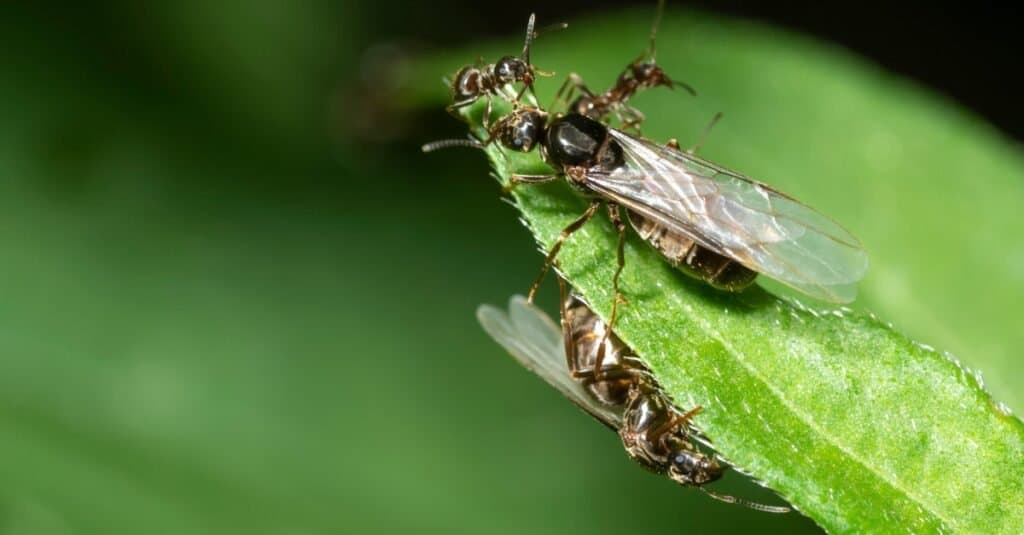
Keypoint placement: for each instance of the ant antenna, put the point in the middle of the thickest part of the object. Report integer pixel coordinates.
(654, 29)
(534, 34)
(550, 28)
(449, 143)
(751, 505)
(529, 37)
(704, 133)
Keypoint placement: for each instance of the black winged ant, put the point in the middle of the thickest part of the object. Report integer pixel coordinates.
(653, 432)
(712, 223)
(624, 396)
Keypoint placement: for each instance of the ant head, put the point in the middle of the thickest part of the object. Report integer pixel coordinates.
(645, 70)
(522, 129)
(510, 69)
(649, 74)
(466, 84)
(690, 467)
(530, 34)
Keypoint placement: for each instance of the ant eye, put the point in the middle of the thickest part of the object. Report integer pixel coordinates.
(684, 462)
(691, 468)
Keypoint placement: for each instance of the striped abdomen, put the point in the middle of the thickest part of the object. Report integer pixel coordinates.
(584, 332)
(692, 258)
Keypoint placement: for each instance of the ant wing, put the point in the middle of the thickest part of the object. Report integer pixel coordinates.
(534, 340)
(732, 215)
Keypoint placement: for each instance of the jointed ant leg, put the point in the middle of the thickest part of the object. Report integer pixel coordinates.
(572, 343)
(620, 251)
(553, 253)
(527, 179)
(533, 94)
(635, 117)
(676, 422)
(616, 217)
(704, 134)
(612, 374)
(453, 108)
(570, 346)
(486, 121)
(572, 83)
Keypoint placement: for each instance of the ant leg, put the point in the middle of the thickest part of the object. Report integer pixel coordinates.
(677, 422)
(528, 86)
(454, 107)
(553, 252)
(620, 371)
(616, 217)
(486, 120)
(606, 374)
(572, 343)
(567, 340)
(565, 89)
(636, 117)
(703, 135)
(577, 82)
(527, 179)
(620, 114)
(532, 179)
(460, 104)
(572, 83)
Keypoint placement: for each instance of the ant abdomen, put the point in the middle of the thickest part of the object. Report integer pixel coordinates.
(653, 432)
(466, 85)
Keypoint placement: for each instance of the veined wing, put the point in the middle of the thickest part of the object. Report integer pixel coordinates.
(759, 227)
(536, 342)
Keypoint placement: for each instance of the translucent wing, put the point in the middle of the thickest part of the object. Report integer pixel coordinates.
(759, 227)
(536, 342)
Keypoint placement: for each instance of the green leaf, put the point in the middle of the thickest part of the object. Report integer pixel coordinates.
(858, 426)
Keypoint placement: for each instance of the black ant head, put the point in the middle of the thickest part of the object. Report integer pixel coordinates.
(649, 74)
(511, 69)
(466, 84)
(690, 467)
(522, 129)
(645, 70)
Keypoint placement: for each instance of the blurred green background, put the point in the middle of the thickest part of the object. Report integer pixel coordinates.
(236, 298)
